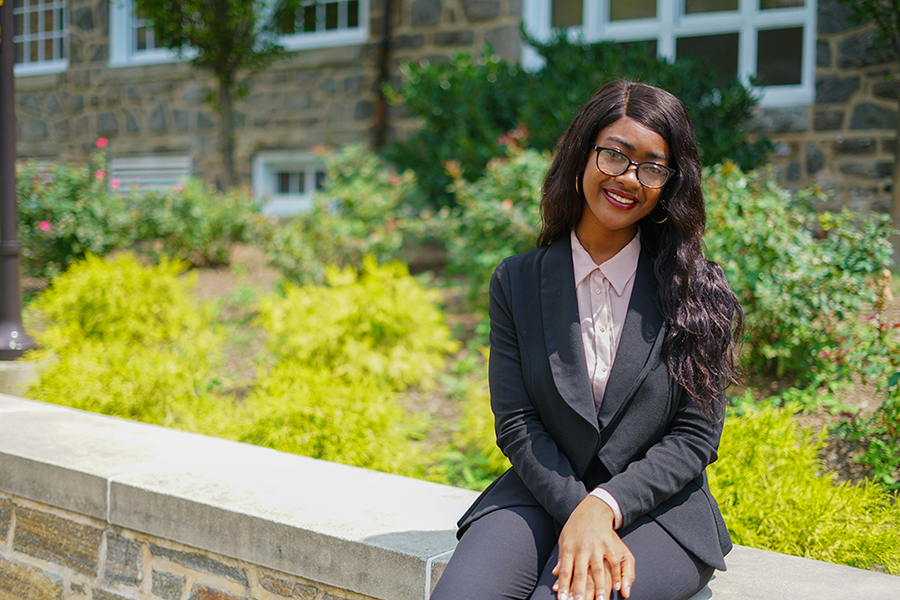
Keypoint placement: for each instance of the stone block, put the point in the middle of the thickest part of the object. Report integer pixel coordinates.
(204, 121)
(107, 124)
(780, 120)
(200, 562)
(823, 54)
(815, 159)
(54, 107)
(62, 129)
(835, 89)
(886, 89)
(29, 102)
(131, 124)
(506, 42)
(828, 120)
(123, 560)
(872, 116)
(76, 103)
(868, 170)
(855, 147)
(403, 42)
(23, 582)
(792, 173)
(83, 18)
(288, 589)
(463, 37)
(425, 13)
(861, 50)
(57, 540)
(157, 122)
(833, 17)
(481, 10)
(180, 118)
(99, 53)
(363, 110)
(99, 594)
(889, 146)
(5, 517)
(204, 592)
(34, 130)
(166, 585)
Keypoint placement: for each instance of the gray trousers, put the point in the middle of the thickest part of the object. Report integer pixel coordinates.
(509, 554)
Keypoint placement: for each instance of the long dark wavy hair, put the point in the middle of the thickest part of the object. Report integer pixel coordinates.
(703, 317)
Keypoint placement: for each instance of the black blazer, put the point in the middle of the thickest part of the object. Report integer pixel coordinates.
(649, 445)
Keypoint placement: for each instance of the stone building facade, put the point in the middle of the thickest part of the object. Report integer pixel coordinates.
(842, 136)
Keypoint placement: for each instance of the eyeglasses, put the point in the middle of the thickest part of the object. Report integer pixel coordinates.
(613, 163)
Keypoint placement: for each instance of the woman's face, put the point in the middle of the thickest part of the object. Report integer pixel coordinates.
(615, 204)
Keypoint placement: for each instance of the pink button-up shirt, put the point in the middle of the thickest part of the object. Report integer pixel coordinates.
(603, 293)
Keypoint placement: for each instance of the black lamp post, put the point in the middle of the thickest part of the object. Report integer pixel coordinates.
(13, 339)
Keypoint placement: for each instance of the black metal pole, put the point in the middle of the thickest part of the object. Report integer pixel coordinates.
(13, 339)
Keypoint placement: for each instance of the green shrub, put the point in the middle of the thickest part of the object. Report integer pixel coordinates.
(496, 216)
(118, 299)
(66, 212)
(880, 433)
(378, 322)
(466, 106)
(802, 293)
(771, 490)
(192, 222)
(353, 419)
(127, 340)
(360, 211)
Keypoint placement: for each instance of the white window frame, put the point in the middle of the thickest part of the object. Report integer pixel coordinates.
(122, 52)
(53, 65)
(265, 166)
(670, 23)
(121, 37)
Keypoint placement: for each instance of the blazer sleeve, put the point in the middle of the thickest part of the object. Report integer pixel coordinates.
(689, 444)
(521, 434)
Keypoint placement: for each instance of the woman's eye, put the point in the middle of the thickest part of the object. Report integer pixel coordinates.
(654, 169)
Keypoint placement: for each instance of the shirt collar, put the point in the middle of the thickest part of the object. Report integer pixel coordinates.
(618, 269)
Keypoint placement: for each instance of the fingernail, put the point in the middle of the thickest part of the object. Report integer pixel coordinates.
(626, 591)
(618, 586)
(562, 596)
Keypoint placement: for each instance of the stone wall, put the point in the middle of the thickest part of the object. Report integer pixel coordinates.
(311, 98)
(47, 553)
(846, 141)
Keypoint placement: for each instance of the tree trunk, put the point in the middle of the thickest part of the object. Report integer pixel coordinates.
(226, 134)
(895, 204)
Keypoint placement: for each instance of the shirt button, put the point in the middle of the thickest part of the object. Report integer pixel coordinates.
(604, 368)
(603, 328)
(598, 291)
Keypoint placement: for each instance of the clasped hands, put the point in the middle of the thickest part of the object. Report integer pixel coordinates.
(593, 560)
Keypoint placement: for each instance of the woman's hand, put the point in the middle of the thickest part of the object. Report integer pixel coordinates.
(593, 560)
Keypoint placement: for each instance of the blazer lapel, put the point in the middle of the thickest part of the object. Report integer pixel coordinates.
(562, 331)
(642, 332)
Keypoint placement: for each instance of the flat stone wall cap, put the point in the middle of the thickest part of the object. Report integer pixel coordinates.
(755, 574)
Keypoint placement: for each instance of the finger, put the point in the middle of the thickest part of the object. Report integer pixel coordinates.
(590, 589)
(627, 570)
(579, 578)
(601, 579)
(615, 574)
(563, 572)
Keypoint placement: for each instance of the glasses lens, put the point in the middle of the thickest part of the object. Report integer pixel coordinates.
(612, 162)
(653, 175)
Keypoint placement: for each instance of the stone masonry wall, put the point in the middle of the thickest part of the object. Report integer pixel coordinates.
(846, 141)
(50, 554)
(312, 98)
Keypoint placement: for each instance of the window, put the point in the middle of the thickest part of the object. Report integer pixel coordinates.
(149, 171)
(315, 24)
(41, 36)
(286, 181)
(131, 40)
(772, 41)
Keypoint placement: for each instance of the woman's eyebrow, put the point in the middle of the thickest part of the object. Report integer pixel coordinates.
(629, 146)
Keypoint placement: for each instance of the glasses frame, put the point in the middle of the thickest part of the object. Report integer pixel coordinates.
(669, 170)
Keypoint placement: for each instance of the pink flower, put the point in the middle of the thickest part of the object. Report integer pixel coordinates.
(44, 225)
(115, 184)
(507, 204)
(102, 142)
(99, 173)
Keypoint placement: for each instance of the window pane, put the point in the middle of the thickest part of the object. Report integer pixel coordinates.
(320, 179)
(567, 13)
(353, 13)
(720, 51)
(704, 6)
(620, 10)
(309, 18)
(648, 46)
(331, 16)
(779, 56)
(767, 4)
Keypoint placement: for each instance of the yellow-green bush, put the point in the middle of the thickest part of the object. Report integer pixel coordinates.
(354, 419)
(128, 340)
(772, 491)
(379, 321)
(118, 299)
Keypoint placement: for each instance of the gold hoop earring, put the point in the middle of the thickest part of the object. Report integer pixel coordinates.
(666, 218)
(577, 190)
